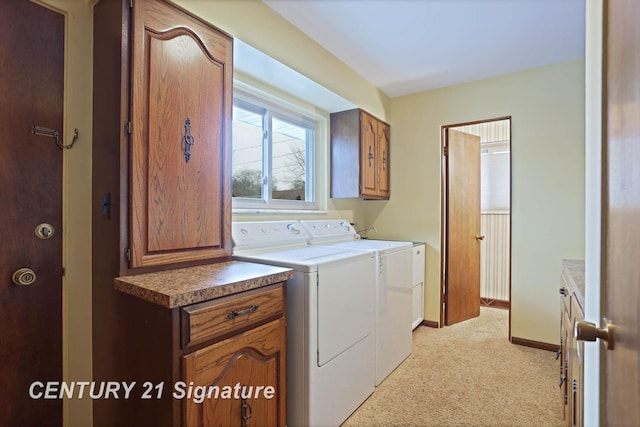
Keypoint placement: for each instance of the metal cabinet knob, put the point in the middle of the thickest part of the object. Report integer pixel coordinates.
(587, 331)
(480, 237)
(24, 277)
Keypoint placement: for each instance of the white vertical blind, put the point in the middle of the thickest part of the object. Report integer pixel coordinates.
(494, 163)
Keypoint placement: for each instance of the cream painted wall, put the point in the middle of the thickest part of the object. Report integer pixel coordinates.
(250, 20)
(547, 109)
(256, 24)
(77, 202)
(545, 105)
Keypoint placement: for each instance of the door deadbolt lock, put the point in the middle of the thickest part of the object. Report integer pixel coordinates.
(44, 231)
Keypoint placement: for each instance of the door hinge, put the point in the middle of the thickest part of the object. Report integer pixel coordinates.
(444, 150)
(130, 4)
(127, 127)
(127, 254)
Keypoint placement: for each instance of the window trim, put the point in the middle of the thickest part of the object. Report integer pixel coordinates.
(295, 114)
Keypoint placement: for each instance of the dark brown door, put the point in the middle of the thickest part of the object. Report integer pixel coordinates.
(621, 213)
(31, 93)
(462, 276)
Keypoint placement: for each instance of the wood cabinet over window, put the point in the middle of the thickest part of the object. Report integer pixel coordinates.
(360, 156)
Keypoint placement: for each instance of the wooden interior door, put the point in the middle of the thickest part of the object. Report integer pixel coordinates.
(368, 155)
(462, 274)
(32, 89)
(621, 199)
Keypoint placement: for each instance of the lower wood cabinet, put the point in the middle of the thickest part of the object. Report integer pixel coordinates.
(220, 362)
(571, 351)
(241, 375)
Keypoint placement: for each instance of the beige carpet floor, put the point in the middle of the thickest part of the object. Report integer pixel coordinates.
(467, 374)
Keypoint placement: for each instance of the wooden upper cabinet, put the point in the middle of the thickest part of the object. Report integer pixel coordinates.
(181, 99)
(359, 156)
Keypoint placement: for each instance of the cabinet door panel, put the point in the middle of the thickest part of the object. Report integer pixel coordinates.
(183, 198)
(252, 359)
(179, 203)
(383, 159)
(368, 155)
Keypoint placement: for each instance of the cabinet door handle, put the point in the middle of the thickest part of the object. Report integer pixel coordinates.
(233, 313)
(245, 411)
(370, 156)
(188, 140)
(562, 380)
(558, 353)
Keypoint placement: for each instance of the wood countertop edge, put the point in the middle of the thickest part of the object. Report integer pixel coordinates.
(185, 286)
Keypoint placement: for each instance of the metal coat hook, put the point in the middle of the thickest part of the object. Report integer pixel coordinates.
(42, 131)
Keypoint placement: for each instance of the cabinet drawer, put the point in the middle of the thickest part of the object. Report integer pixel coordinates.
(212, 319)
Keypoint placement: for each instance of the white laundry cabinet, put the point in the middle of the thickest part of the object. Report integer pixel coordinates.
(418, 284)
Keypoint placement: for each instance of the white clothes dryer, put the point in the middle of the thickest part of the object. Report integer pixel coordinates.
(394, 288)
(330, 305)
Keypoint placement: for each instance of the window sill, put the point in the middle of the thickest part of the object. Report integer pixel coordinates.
(277, 211)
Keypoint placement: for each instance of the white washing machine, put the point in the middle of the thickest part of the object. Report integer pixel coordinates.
(330, 305)
(394, 288)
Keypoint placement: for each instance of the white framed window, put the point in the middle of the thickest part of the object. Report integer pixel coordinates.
(274, 148)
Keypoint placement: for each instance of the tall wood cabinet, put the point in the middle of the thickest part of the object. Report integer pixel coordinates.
(162, 99)
(360, 157)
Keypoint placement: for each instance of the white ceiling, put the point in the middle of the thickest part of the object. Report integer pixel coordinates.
(408, 46)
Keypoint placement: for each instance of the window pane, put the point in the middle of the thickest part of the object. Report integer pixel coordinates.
(289, 172)
(247, 153)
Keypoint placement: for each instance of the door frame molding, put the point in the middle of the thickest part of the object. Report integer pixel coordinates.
(444, 193)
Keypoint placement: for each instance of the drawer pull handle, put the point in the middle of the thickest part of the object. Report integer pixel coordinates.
(233, 313)
(562, 380)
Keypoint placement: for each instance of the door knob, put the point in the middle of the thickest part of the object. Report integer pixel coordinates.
(587, 331)
(24, 277)
(480, 237)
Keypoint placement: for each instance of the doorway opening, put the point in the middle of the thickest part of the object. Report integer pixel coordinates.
(476, 218)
